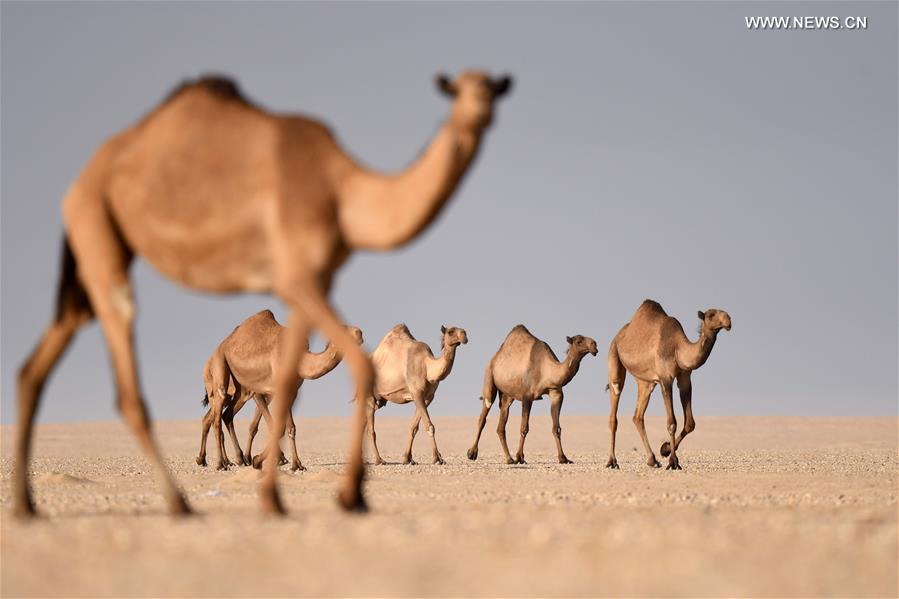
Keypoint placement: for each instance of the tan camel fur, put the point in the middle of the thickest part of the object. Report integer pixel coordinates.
(222, 196)
(407, 371)
(526, 369)
(244, 364)
(655, 350)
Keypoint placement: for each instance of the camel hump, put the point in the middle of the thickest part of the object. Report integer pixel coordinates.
(218, 85)
(649, 305)
(266, 314)
(518, 329)
(401, 330)
(519, 337)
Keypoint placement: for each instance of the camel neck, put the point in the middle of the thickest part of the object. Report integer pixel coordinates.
(380, 212)
(316, 365)
(440, 367)
(692, 355)
(568, 367)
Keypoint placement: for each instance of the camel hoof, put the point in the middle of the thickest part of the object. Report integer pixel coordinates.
(409, 461)
(653, 462)
(247, 459)
(257, 462)
(510, 461)
(381, 462)
(673, 464)
(282, 460)
(270, 503)
(665, 449)
(221, 466)
(440, 461)
(472, 454)
(565, 460)
(297, 468)
(24, 510)
(178, 506)
(352, 502)
(201, 461)
(520, 460)
(613, 464)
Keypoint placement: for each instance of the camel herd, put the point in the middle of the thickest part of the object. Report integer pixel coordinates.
(223, 196)
(652, 346)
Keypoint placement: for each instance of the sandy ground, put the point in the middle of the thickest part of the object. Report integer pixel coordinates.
(763, 507)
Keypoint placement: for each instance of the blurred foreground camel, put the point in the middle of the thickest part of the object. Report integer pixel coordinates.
(407, 371)
(525, 368)
(222, 196)
(241, 368)
(655, 350)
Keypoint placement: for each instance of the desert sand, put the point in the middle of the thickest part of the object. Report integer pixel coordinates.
(764, 507)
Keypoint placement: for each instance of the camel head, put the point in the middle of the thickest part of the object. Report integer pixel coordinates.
(453, 336)
(356, 332)
(714, 320)
(473, 94)
(580, 345)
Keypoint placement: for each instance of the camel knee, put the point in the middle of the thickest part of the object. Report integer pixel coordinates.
(689, 427)
(672, 427)
(431, 430)
(292, 432)
(557, 431)
(29, 387)
(638, 421)
(613, 423)
(121, 299)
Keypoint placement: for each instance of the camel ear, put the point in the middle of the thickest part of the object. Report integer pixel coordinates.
(701, 315)
(569, 339)
(445, 85)
(443, 330)
(501, 86)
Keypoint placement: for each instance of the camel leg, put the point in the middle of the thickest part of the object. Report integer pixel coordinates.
(644, 390)
(372, 435)
(110, 295)
(310, 306)
(672, 424)
(287, 383)
(31, 378)
(204, 433)
(228, 418)
(556, 397)
(525, 426)
(221, 376)
(685, 389)
(504, 402)
(617, 374)
(295, 463)
(257, 461)
(422, 405)
(413, 430)
(482, 421)
(254, 428)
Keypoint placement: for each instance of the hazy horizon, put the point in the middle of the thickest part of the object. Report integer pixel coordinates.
(647, 150)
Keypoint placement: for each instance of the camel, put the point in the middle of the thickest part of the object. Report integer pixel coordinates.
(222, 196)
(243, 364)
(407, 371)
(655, 350)
(525, 368)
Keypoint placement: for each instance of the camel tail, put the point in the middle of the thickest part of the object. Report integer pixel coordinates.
(205, 400)
(607, 387)
(70, 296)
(488, 395)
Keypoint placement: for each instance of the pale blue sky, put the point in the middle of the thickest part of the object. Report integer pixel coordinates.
(648, 150)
